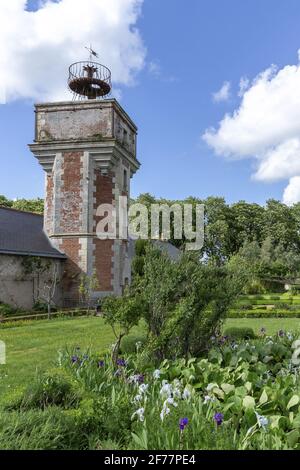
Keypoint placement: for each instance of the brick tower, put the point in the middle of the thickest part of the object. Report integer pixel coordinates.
(88, 151)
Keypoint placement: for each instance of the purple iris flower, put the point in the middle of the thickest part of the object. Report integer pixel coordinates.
(183, 422)
(219, 417)
(101, 363)
(263, 331)
(281, 333)
(74, 359)
(121, 362)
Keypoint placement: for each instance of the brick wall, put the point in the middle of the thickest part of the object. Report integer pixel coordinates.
(71, 200)
(103, 249)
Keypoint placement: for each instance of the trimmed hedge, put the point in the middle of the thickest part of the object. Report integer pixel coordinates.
(273, 313)
(240, 333)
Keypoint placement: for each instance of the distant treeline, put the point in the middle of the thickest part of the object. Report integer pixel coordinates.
(28, 205)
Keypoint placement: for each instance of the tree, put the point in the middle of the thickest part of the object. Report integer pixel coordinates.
(4, 202)
(29, 205)
(184, 302)
(88, 285)
(122, 314)
(48, 290)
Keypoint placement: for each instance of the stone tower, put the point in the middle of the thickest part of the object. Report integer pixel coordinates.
(88, 151)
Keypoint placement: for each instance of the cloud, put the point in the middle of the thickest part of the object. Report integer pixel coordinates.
(266, 126)
(154, 69)
(223, 94)
(36, 47)
(244, 84)
(291, 193)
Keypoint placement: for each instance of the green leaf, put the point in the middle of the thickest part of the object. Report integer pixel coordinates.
(248, 402)
(248, 386)
(293, 401)
(227, 388)
(263, 398)
(292, 438)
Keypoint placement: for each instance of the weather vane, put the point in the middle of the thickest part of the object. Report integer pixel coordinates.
(92, 52)
(89, 79)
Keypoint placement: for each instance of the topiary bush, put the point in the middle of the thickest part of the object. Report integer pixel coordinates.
(238, 333)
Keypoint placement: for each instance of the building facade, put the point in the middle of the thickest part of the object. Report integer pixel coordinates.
(88, 151)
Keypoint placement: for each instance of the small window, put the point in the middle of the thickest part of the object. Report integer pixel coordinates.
(125, 182)
(125, 137)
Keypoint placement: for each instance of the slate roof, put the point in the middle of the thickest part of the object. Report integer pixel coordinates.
(21, 233)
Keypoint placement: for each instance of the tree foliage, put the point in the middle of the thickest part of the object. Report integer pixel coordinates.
(27, 205)
(184, 302)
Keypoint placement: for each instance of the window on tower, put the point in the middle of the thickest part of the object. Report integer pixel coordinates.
(125, 181)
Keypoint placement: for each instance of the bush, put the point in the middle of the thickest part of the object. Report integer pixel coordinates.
(245, 306)
(7, 310)
(42, 307)
(273, 313)
(283, 306)
(255, 287)
(240, 333)
(130, 344)
(55, 387)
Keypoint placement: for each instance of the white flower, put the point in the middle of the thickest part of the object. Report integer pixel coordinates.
(289, 336)
(140, 413)
(138, 398)
(186, 394)
(143, 388)
(166, 389)
(164, 412)
(262, 420)
(177, 393)
(207, 399)
(133, 379)
(170, 401)
(156, 374)
(138, 345)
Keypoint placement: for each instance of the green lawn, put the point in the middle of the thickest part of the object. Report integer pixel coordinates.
(34, 347)
(272, 325)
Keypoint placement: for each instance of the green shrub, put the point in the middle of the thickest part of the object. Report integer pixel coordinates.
(246, 306)
(269, 313)
(283, 306)
(240, 333)
(130, 344)
(255, 287)
(42, 307)
(55, 387)
(7, 310)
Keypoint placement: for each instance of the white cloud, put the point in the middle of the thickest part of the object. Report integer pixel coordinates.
(223, 94)
(244, 84)
(291, 193)
(37, 47)
(266, 126)
(154, 69)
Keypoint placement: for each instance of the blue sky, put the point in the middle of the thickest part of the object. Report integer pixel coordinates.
(193, 47)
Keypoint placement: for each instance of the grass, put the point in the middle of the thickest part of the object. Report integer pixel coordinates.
(272, 325)
(34, 346)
